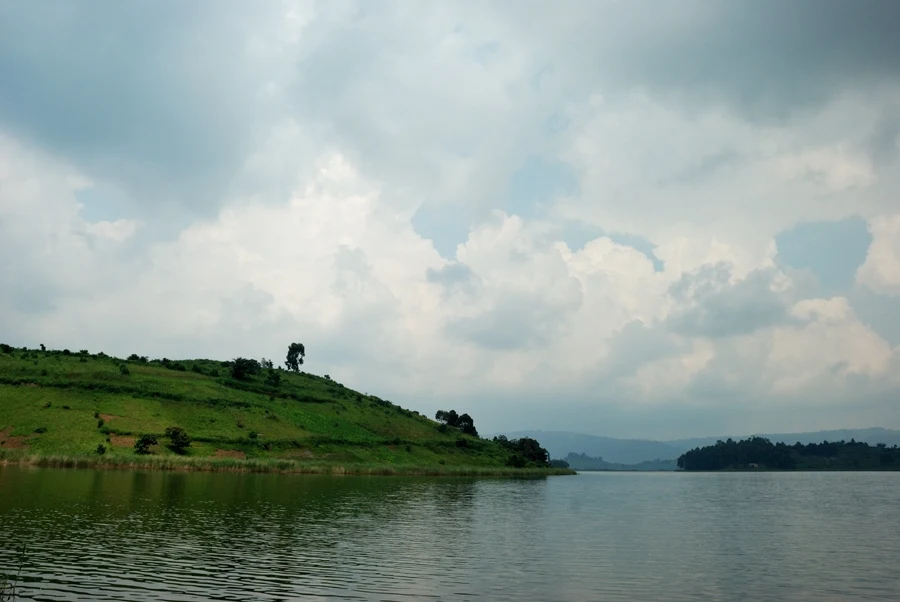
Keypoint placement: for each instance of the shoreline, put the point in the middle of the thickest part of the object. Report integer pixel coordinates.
(275, 466)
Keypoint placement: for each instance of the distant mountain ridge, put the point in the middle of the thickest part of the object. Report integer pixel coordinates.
(634, 451)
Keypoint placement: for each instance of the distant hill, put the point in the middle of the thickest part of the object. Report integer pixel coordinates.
(618, 451)
(634, 451)
(585, 462)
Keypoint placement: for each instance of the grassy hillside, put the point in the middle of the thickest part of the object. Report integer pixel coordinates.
(65, 404)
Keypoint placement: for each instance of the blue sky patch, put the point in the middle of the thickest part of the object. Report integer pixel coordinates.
(833, 251)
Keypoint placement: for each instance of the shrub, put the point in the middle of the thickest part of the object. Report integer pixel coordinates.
(142, 445)
(40, 430)
(100, 423)
(409, 448)
(43, 373)
(43, 347)
(84, 352)
(243, 368)
(101, 449)
(462, 443)
(96, 414)
(6, 348)
(82, 359)
(123, 369)
(66, 352)
(273, 378)
(253, 434)
(66, 408)
(196, 368)
(48, 405)
(179, 440)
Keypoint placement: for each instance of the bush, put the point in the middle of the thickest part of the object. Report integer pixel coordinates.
(48, 405)
(179, 440)
(243, 368)
(40, 430)
(43, 373)
(96, 414)
(84, 352)
(101, 449)
(462, 443)
(123, 369)
(66, 352)
(100, 423)
(6, 348)
(142, 445)
(253, 434)
(273, 378)
(66, 408)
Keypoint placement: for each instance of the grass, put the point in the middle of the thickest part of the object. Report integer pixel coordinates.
(57, 408)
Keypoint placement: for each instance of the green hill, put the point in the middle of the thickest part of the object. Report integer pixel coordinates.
(77, 408)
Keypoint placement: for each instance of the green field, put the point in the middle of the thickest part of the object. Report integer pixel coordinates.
(57, 407)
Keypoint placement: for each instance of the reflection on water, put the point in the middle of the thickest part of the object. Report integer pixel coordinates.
(118, 535)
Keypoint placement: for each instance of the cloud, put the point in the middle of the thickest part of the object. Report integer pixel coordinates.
(585, 216)
(717, 308)
(881, 270)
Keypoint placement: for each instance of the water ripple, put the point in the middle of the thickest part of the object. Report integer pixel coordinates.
(161, 537)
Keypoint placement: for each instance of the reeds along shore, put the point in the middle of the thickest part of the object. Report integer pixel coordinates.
(10, 457)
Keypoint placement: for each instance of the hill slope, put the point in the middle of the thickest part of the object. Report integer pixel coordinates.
(62, 403)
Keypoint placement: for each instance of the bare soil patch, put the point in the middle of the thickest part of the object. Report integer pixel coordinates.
(120, 441)
(230, 453)
(108, 417)
(7, 441)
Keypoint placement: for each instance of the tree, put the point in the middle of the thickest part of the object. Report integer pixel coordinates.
(142, 445)
(450, 418)
(179, 440)
(242, 368)
(467, 425)
(296, 353)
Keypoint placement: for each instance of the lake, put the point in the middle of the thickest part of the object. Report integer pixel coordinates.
(120, 535)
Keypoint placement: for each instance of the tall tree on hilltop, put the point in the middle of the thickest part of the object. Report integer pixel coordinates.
(296, 353)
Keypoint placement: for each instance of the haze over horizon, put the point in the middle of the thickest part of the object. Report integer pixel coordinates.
(649, 220)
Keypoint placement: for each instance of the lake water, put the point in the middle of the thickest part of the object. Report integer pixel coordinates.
(119, 535)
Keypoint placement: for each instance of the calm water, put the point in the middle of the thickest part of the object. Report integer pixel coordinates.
(162, 536)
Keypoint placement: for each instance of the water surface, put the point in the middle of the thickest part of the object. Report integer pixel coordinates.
(120, 535)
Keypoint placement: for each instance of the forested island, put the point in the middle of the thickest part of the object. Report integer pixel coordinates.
(758, 453)
(82, 409)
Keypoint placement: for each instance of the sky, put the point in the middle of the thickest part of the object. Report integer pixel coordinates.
(621, 217)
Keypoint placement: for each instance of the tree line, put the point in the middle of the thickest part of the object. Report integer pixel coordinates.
(759, 452)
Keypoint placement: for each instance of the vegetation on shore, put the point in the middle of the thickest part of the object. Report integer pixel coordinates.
(758, 453)
(64, 408)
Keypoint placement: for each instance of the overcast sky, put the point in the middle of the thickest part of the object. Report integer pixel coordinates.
(623, 217)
